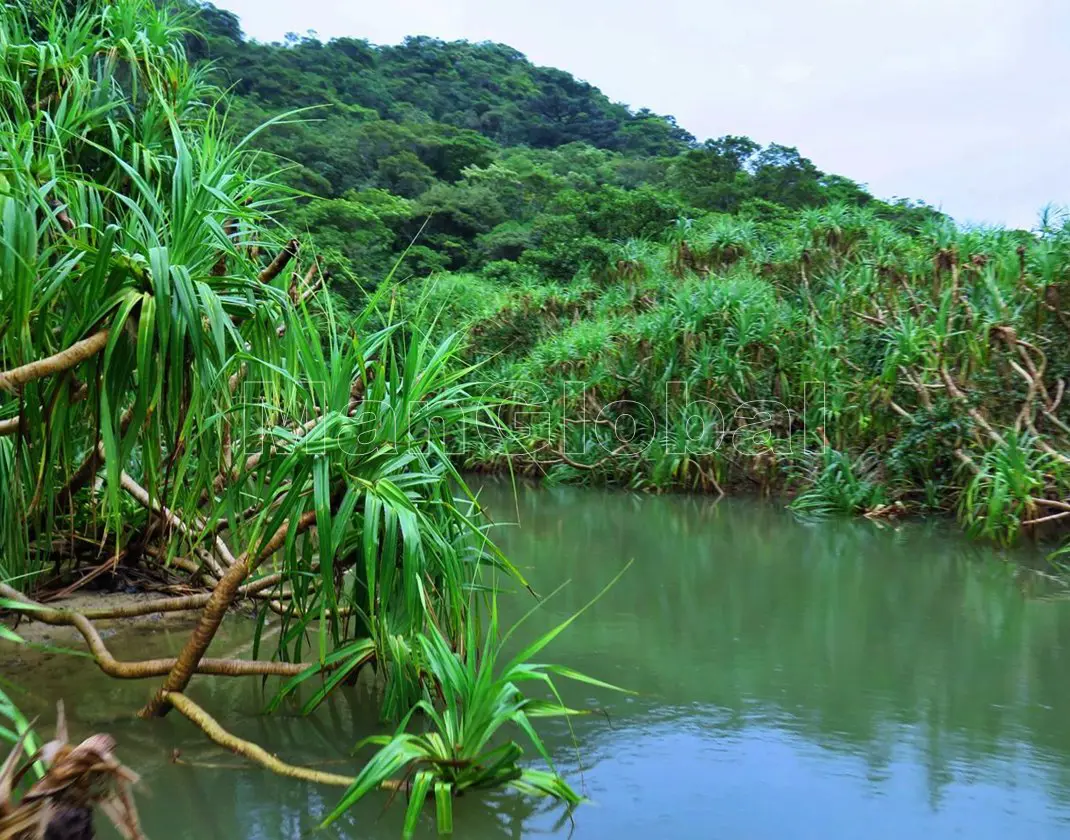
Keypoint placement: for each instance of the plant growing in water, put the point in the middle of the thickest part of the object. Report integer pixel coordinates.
(468, 700)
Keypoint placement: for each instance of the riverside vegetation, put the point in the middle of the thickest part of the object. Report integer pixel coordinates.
(239, 345)
(658, 313)
(181, 396)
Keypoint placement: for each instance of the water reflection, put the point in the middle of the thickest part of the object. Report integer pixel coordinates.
(793, 680)
(879, 661)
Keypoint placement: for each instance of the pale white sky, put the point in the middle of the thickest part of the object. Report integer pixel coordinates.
(962, 103)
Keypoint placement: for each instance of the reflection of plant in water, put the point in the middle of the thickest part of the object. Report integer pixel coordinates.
(850, 638)
(843, 485)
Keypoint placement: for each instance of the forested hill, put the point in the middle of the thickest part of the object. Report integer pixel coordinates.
(489, 88)
(603, 265)
(485, 161)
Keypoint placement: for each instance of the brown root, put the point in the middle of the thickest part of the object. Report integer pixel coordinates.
(210, 727)
(215, 563)
(180, 604)
(255, 753)
(84, 474)
(219, 602)
(56, 363)
(1051, 517)
(149, 667)
(280, 262)
(956, 393)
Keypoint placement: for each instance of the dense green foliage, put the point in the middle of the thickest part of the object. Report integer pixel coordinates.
(178, 393)
(180, 388)
(486, 88)
(479, 159)
(752, 321)
(821, 352)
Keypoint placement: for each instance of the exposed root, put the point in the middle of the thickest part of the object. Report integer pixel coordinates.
(919, 388)
(1051, 517)
(213, 562)
(302, 290)
(84, 474)
(967, 461)
(57, 363)
(280, 262)
(255, 753)
(12, 425)
(149, 667)
(184, 563)
(180, 604)
(581, 466)
(219, 602)
(1054, 503)
(956, 393)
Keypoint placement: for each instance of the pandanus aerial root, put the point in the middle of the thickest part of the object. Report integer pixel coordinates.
(257, 754)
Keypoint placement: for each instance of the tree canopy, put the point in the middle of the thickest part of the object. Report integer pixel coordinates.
(488, 156)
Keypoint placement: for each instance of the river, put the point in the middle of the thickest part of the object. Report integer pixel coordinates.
(793, 680)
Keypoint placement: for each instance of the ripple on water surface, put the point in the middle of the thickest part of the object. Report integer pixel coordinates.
(792, 680)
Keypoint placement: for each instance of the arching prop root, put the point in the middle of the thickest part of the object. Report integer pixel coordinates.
(190, 660)
(183, 603)
(149, 667)
(255, 753)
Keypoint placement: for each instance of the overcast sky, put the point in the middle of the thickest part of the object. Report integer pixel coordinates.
(962, 103)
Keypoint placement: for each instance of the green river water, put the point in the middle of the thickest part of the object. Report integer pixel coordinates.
(828, 680)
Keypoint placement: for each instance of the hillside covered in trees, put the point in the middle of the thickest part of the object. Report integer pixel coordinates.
(481, 161)
(709, 315)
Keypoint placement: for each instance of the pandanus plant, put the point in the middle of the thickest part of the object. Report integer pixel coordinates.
(178, 390)
(917, 365)
(469, 702)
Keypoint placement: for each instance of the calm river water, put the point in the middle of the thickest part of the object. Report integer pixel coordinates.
(829, 680)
